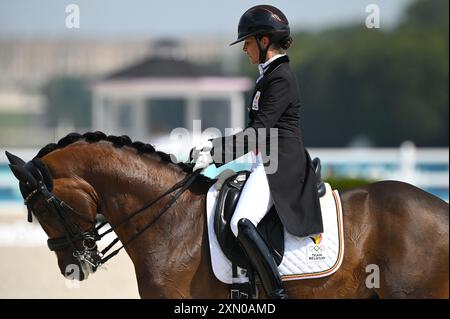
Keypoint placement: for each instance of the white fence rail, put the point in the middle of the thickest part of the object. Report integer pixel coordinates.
(423, 167)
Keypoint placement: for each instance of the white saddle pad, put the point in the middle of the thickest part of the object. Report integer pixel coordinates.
(304, 257)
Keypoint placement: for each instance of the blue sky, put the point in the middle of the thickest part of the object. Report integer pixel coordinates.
(156, 18)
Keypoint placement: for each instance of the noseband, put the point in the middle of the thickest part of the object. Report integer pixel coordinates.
(74, 233)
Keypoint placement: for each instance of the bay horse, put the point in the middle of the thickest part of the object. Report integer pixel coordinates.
(396, 226)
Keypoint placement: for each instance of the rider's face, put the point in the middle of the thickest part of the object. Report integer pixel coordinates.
(251, 49)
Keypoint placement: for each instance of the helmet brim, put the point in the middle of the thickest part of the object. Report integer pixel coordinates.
(237, 41)
(240, 39)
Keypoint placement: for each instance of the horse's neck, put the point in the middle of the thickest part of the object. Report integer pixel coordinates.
(171, 248)
(123, 183)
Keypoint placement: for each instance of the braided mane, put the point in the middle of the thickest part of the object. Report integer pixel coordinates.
(117, 141)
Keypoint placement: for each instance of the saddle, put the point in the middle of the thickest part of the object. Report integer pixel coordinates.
(270, 227)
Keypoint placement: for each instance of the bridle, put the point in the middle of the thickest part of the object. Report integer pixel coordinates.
(73, 233)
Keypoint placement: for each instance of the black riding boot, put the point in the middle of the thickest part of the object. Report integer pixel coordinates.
(261, 259)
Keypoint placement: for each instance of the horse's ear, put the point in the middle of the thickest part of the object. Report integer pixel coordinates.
(15, 160)
(47, 176)
(23, 175)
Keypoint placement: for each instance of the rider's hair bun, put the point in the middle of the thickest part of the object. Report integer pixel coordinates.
(286, 43)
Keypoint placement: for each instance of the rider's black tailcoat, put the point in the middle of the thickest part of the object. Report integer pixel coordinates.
(293, 185)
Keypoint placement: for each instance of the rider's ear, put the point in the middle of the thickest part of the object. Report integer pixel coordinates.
(265, 41)
(23, 175)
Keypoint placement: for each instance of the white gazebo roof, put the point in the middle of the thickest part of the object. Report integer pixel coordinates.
(162, 77)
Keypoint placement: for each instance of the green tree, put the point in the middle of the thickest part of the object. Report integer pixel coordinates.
(390, 87)
(428, 14)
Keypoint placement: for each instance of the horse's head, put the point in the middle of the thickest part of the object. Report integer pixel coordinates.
(66, 209)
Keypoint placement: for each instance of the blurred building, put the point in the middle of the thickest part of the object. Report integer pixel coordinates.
(27, 64)
(165, 91)
(31, 61)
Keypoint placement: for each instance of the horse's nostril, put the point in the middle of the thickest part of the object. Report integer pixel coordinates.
(73, 272)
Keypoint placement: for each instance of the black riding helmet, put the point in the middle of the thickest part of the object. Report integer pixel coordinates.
(263, 20)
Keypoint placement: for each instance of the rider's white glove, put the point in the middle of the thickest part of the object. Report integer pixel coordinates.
(203, 160)
(205, 146)
(201, 155)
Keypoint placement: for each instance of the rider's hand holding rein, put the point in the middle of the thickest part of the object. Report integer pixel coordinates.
(201, 155)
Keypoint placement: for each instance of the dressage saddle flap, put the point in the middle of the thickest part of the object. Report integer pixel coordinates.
(270, 226)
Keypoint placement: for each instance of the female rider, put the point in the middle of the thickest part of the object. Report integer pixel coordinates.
(284, 178)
